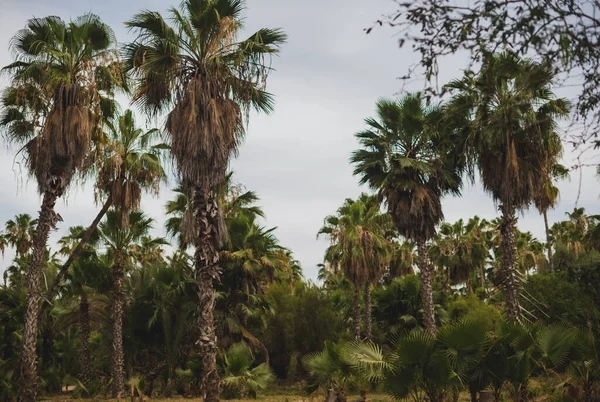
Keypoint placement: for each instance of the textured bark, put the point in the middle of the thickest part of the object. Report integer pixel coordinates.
(507, 231)
(118, 363)
(206, 258)
(84, 341)
(331, 395)
(356, 313)
(76, 253)
(548, 242)
(368, 323)
(28, 358)
(341, 397)
(426, 287)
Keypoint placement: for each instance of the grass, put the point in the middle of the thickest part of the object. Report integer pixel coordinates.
(270, 398)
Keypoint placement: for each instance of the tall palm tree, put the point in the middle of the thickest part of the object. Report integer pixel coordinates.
(120, 241)
(53, 108)
(409, 161)
(547, 199)
(129, 163)
(193, 68)
(510, 112)
(20, 232)
(358, 247)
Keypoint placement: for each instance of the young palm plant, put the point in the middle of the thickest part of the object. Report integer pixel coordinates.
(195, 69)
(52, 109)
(411, 163)
(240, 378)
(509, 113)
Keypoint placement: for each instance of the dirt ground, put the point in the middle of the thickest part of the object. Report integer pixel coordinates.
(270, 398)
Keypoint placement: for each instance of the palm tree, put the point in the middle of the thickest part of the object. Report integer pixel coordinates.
(509, 113)
(254, 255)
(195, 70)
(52, 108)
(408, 160)
(547, 199)
(234, 201)
(120, 242)
(358, 247)
(479, 233)
(129, 164)
(20, 232)
(576, 231)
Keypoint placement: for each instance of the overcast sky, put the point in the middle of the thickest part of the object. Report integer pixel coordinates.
(328, 77)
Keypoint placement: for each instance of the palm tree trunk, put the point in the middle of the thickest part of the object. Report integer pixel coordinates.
(84, 340)
(548, 242)
(76, 252)
(482, 277)
(47, 352)
(28, 358)
(356, 313)
(341, 397)
(368, 310)
(426, 287)
(507, 231)
(118, 360)
(206, 258)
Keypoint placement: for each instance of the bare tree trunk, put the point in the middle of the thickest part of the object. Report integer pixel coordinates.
(368, 311)
(426, 287)
(28, 359)
(75, 253)
(118, 360)
(507, 231)
(84, 340)
(548, 242)
(356, 313)
(206, 258)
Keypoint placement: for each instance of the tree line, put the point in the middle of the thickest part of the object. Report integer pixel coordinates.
(182, 321)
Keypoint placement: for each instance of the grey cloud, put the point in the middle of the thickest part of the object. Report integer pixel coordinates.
(326, 81)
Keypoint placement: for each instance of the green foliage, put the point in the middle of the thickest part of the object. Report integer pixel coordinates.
(301, 322)
(239, 377)
(555, 298)
(471, 308)
(344, 364)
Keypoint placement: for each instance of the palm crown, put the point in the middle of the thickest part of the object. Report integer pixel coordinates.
(131, 163)
(510, 113)
(405, 157)
(195, 69)
(55, 103)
